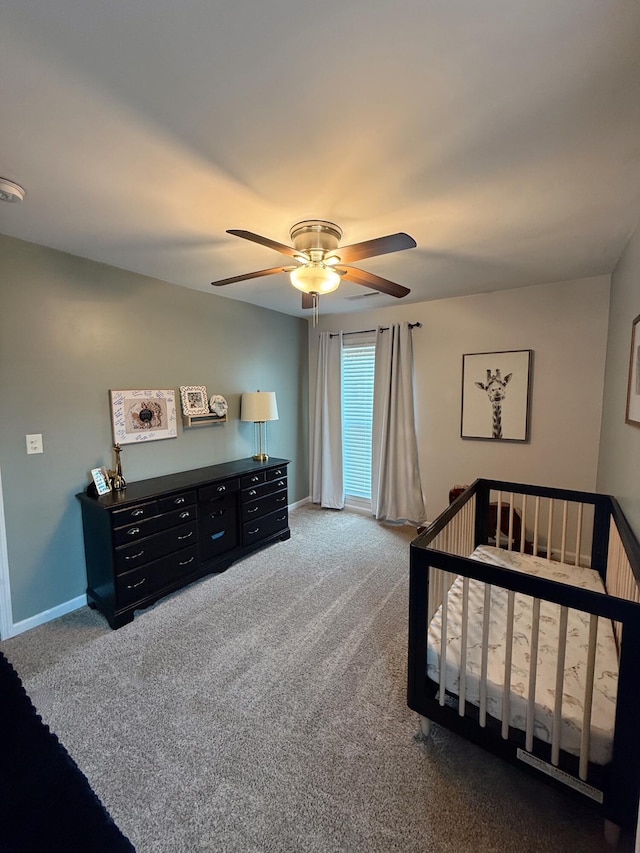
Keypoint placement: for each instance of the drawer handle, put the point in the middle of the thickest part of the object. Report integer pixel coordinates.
(215, 536)
(217, 513)
(255, 479)
(186, 536)
(253, 532)
(280, 500)
(135, 556)
(186, 562)
(185, 514)
(253, 509)
(277, 473)
(133, 531)
(282, 518)
(179, 501)
(281, 483)
(137, 512)
(221, 489)
(252, 492)
(134, 585)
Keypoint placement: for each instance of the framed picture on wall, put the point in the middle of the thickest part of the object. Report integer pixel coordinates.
(496, 395)
(140, 415)
(194, 399)
(633, 388)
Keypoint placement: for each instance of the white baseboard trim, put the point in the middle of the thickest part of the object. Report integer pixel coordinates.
(306, 500)
(6, 617)
(46, 616)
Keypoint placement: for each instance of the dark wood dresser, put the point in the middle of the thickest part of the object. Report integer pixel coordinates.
(157, 535)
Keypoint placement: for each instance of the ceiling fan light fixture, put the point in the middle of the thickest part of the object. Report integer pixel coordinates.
(315, 278)
(10, 191)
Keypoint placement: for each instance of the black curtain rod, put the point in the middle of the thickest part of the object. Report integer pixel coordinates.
(417, 325)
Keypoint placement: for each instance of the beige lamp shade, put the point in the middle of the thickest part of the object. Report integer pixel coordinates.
(259, 406)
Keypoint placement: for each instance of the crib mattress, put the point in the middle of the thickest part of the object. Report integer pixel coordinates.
(606, 667)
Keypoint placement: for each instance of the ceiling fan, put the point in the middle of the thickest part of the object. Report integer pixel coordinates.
(321, 263)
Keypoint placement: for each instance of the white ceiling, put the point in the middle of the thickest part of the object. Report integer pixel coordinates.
(504, 136)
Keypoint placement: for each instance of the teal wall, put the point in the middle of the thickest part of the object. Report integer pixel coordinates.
(71, 329)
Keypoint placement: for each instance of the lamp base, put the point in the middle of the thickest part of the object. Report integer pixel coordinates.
(260, 457)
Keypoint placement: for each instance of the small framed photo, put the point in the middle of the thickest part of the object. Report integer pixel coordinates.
(194, 400)
(140, 415)
(101, 480)
(496, 395)
(633, 388)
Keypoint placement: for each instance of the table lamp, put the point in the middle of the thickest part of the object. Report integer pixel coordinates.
(259, 407)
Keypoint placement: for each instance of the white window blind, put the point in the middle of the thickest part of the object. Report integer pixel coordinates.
(358, 362)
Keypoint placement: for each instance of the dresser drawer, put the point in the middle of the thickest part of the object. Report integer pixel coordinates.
(131, 556)
(263, 506)
(183, 499)
(214, 516)
(256, 492)
(218, 489)
(218, 535)
(133, 532)
(216, 505)
(253, 479)
(135, 585)
(134, 513)
(254, 531)
(276, 473)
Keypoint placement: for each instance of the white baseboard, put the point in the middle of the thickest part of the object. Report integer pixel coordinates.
(306, 500)
(46, 616)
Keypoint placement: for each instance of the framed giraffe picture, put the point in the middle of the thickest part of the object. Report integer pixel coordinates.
(633, 388)
(496, 390)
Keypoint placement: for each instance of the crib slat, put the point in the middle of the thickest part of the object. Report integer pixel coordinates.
(523, 524)
(485, 655)
(506, 690)
(510, 543)
(557, 707)
(536, 526)
(443, 636)
(533, 670)
(563, 546)
(463, 647)
(550, 529)
(579, 534)
(498, 518)
(585, 735)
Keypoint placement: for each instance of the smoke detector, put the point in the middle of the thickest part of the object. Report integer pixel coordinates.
(10, 191)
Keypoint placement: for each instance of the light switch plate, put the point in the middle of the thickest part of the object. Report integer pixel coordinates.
(34, 443)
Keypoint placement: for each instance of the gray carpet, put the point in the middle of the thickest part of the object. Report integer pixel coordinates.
(264, 710)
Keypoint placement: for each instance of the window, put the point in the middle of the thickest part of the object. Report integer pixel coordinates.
(358, 362)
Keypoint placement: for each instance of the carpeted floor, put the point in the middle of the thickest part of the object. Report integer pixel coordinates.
(264, 710)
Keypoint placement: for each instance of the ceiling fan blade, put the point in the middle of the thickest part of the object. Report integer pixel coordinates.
(257, 274)
(378, 246)
(368, 279)
(265, 241)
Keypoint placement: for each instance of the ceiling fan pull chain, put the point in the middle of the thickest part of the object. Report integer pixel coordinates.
(316, 302)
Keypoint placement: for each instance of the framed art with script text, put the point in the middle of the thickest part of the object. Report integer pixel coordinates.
(140, 415)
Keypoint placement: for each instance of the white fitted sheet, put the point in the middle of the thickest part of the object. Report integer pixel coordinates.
(606, 667)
